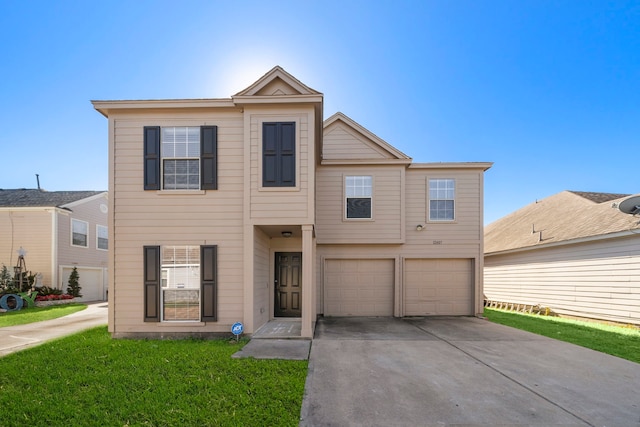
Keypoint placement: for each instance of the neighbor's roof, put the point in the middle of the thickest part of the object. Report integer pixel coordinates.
(40, 198)
(562, 217)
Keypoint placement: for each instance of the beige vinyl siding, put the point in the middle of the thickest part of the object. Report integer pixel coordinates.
(341, 142)
(31, 229)
(261, 294)
(278, 205)
(385, 226)
(598, 280)
(162, 218)
(467, 226)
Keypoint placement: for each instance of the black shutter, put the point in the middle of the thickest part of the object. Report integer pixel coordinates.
(152, 157)
(152, 277)
(209, 157)
(269, 154)
(279, 154)
(288, 154)
(208, 279)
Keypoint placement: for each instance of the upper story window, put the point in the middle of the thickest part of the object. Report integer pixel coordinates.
(442, 194)
(358, 193)
(180, 152)
(279, 154)
(102, 237)
(180, 158)
(79, 233)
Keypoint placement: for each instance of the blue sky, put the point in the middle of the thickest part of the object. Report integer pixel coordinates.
(547, 90)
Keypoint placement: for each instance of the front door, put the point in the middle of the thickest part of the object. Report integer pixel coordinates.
(288, 284)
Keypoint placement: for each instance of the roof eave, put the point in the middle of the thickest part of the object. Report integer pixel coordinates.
(453, 165)
(616, 235)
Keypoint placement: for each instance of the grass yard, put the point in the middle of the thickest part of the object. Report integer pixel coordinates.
(38, 314)
(91, 379)
(618, 341)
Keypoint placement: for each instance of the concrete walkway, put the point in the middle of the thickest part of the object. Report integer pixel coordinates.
(461, 371)
(16, 338)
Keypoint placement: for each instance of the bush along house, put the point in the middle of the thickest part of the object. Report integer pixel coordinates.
(255, 208)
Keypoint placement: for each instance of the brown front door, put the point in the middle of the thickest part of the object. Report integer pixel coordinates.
(288, 286)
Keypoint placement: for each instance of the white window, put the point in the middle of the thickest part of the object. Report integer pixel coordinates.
(102, 237)
(442, 194)
(79, 233)
(180, 158)
(358, 191)
(180, 293)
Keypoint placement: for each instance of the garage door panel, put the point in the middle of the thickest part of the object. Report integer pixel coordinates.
(359, 287)
(438, 287)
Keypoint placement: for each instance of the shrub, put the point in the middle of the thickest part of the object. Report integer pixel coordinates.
(74, 286)
(53, 297)
(46, 290)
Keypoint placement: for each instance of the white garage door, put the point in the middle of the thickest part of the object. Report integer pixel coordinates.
(438, 287)
(91, 282)
(358, 287)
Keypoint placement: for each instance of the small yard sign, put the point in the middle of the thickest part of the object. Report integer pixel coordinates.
(237, 329)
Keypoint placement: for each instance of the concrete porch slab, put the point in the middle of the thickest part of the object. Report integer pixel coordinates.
(284, 349)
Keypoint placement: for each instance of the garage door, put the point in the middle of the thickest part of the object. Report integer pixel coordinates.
(358, 287)
(91, 282)
(438, 287)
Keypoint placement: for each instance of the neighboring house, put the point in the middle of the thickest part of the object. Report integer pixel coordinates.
(251, 208)
(58, 230)
(573, 252)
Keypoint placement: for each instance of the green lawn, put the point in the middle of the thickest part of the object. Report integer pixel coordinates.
(618, 341)
(91, 379)
(38, 314)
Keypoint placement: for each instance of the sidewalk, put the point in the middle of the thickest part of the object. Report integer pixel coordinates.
(16, 338)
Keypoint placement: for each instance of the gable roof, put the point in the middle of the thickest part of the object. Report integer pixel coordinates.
(277, 82)
(563, 217)
(346, 141)
(22, 198)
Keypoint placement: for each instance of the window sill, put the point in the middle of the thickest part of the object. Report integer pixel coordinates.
(181, 192)
(178, 324)
(290, 189)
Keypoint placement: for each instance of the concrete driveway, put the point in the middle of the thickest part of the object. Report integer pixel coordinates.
(16, 338)
(460, 371)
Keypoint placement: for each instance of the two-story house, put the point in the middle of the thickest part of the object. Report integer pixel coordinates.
(57, 231)
(252, 208)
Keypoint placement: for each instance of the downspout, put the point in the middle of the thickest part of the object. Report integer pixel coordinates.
(54, 248)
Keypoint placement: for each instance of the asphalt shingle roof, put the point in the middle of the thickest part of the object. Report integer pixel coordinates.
(41, 198)
(564, 216)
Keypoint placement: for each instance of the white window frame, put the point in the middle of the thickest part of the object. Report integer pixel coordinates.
(445, 191)
(106, 232)
(175, 274)
(86, 227)
(168, 151)
(358, 190)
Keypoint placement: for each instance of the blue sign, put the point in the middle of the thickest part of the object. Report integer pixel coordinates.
(237, 328)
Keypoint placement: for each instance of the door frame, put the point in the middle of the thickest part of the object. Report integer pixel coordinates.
(274, 288)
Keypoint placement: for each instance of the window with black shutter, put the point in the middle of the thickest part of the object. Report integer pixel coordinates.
(180, 283)
(279, 154)
(181, 158)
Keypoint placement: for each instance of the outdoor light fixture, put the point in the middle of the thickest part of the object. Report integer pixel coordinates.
(287, 234)
(419, 227)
